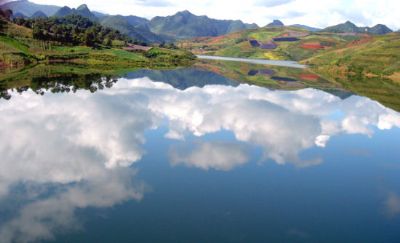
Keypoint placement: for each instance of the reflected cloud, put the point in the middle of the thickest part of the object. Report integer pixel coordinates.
(40, 219)
(392, 205)
(210, 155)
(85, 144)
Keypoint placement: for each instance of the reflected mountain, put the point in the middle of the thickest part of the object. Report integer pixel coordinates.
(184, 78)
(272, 77)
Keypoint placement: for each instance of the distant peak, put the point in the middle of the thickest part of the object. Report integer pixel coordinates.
(349, 23)
(276, 23)
(83, 7)
(184, 12)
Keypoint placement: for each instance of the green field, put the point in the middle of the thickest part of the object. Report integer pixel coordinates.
(377, 58)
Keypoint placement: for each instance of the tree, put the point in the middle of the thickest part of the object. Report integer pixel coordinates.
(72, 30)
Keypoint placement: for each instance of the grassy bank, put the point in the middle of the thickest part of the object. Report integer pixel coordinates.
(379, 57)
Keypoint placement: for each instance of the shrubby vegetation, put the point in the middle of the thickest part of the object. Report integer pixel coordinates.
(76, 39)
(71, 30)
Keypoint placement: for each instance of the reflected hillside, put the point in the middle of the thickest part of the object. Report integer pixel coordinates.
(282, 78)
(384, 91)
(56, 78)
(69, 78)
(184, 78)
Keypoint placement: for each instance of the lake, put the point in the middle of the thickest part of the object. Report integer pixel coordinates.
(196, 155)
(290, 64)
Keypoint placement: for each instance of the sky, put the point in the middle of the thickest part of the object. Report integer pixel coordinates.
(317, 13)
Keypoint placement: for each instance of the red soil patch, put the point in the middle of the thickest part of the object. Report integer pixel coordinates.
(309, 76)
(361, 41)
(313, 46)
(217, 39)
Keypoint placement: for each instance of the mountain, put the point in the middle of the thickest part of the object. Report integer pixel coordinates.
(275, 23)
(18, 15)
(64, 11)
(306, 27)
(132, 26)
(379, 29)
(99, 15)
(82, 10)
(38, 14)
(28, 8)
(349, 27)
(187, 25)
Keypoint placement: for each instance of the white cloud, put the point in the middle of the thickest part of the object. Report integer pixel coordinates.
(210, 155)
(310, 12)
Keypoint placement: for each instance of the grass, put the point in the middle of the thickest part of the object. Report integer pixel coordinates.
(379, 57)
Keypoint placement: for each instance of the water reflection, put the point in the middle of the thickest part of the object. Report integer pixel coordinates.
(73, 151)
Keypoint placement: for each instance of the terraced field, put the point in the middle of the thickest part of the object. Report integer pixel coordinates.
(286, 43)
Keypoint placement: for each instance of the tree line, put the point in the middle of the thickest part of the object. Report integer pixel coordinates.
(72, 30)
(5, 15)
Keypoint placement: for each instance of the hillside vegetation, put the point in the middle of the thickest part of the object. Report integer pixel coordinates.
(378, 57)
(336, 54)
(306, 44)
(75, 39)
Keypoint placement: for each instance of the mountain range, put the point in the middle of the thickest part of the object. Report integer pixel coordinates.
(182, 25)
(27, 8)
(187, 25)
(349, 27)
(159, 29)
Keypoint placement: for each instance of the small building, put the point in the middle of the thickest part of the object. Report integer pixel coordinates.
(137, 48)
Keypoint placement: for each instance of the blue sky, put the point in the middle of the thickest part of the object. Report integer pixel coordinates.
(317, 13)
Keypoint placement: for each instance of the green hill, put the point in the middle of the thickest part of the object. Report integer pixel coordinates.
(376, 57)
(349, 27)
(184, 25)
(82, 10)
(266, 43)
(133, 27)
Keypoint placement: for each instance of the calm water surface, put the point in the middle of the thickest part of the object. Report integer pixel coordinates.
(289, 64)
(154, 160)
